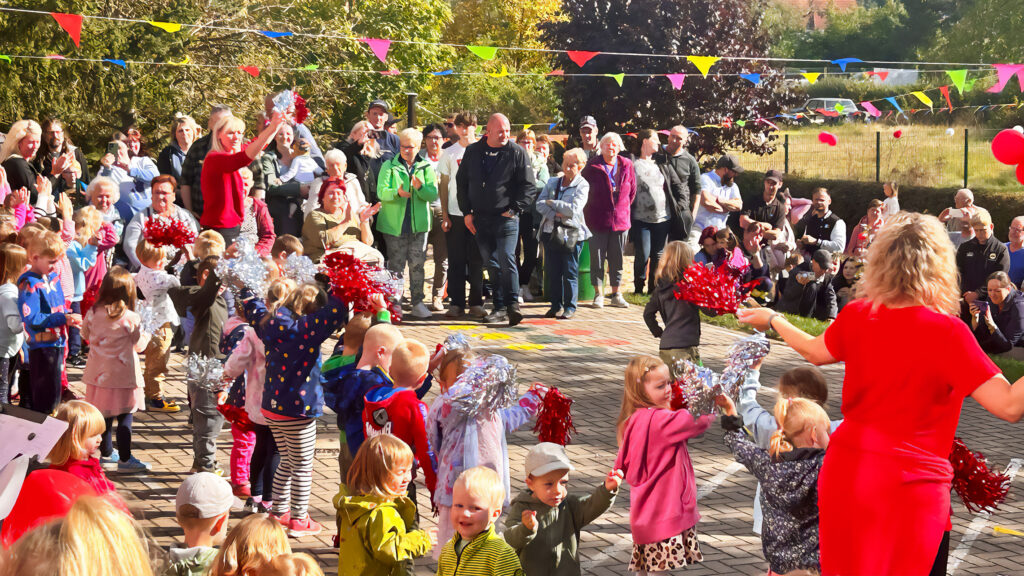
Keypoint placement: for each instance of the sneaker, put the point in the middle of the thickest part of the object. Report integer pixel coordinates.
(76, 360)
(437, 304)
(454, 312)
(515, 316)
(132, 466)
(111, 460)
(520, 298)
(242, 492)
(263, 507)
(525, 294)
(162, 405)
(599, 302)
(618, 301)
(568, 315)
(552, 313)
(495, 317)
(421, 311)
(284, 519)
(305, 527)
(477, 311)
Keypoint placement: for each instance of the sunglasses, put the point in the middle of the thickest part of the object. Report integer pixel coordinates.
(449, 124)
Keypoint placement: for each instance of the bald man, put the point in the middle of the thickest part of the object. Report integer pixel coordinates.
(495, 184)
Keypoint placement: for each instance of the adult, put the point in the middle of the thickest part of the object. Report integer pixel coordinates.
(529, 219)
(1015, 247)
(300, 131)
(964, 208)
(966, 233)
(407, 185)
(433, 139)
(56, 151)
(16, 154)
(756, 251)
(284, 199)
(377, 114)
(496, 185)
(464, 260)
(560, 205)
(979, 258)
(820, 228)
(191, 183)
(361, 153)
(657, 187)
(257, 226)
(588, 136)
(132, 169)
(544, 150)
(451, 136)
(785, 241)
(163, 205)
(612, 183)
(184, 132)
(103, 193)
(222, 187)
(808, 290)
(337, 171)
(884, 488)
(1002, 329)
(719, 195)
(865, 230)
(334, 224)
(767, 208)
(687, 171)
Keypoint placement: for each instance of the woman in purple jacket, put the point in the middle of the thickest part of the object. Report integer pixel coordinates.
(612, 190)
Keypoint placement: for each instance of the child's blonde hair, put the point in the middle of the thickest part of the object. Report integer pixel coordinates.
(117, 292)
(277, 292)
(375, 463)
(297, 564)
(208, 243)
(484, 483)
(147, 252)
(409, 363)
(46, 244)
(88, 221)
(305, 299)
(794, 415)
(355, 329)
(634, 394)
(84, 422)
(95, 537)
(249, 546)
(12, 262)
(677, 257)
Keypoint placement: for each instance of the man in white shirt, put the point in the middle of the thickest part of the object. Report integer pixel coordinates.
(719, 195)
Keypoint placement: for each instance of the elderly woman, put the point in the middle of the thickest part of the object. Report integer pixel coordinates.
(284, 199)
(163, 205)
(223, 190)
(864, 232)
(17, 153)
(563, 230)
(184, 132)
(657, 184)
(1001, 329)
(884, 487)
(406, 187)
(612, 191)
(337, 171)
(133, 170)
(333, 224)
(103, 193)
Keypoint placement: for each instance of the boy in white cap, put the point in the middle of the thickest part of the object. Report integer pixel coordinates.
(545, 521)
(201, 508)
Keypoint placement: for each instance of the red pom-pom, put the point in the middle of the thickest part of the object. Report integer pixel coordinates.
(678, 400)
(301, 112)
(717, 289)
(355, 281)
(160, 231)
(978, 486)
(554, 421)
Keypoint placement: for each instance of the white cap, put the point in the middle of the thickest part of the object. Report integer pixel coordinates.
(547, 457)
(209, 493)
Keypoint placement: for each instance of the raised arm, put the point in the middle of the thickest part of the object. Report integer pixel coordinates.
(812, 349)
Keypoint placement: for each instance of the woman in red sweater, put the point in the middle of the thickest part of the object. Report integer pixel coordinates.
(223, 189)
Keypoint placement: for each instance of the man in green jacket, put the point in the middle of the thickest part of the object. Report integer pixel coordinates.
(406, 186)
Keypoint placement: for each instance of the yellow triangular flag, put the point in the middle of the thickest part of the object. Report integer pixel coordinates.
(184, 62)
(703, 63)
(812, 77)
(618, 78)
(166, 26)
(504, 72)
(527, 126)
(924, 99)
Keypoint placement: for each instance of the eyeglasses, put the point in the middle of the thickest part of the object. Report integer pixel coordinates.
(449, 124)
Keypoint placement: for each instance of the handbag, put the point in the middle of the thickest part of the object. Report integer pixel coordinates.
(564, 237)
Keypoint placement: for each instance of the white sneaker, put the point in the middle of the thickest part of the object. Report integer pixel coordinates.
(618, 301)
(599, 302)
(437, 304)
(526, 295)
(421, 311)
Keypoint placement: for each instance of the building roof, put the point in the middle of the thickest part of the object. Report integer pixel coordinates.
(814, 11)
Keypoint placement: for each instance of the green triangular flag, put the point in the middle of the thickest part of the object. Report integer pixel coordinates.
(969, 85)
(5, 57)
(959, 78)
(310, 67)
(741, 123)
(618, 77)
(484, 52)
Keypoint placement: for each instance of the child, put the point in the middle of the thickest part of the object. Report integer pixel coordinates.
(210, 311)
(727, 249)
(208, 243)
(891, 204)
(108, 239)
(302, 167)
(475, 548)
(398, 410)
(294, 329)
(82, 254)
(41, 301)
(545, 522)
(154, 282)
(73, 453)
(112, 376)
(788, 471)
(297, 564)
(680, 339)
(284, 246)
(375, 518)
(201, 507)
(12, 328)
(663, 501)
(250, 546)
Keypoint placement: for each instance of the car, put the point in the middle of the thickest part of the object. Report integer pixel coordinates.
(826, 110)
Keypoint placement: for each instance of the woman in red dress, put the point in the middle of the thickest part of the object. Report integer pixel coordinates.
(884, 488)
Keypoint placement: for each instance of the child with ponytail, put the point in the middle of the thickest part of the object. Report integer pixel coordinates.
(788, 473)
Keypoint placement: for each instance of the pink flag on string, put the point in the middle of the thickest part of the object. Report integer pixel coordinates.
(870, 109)
(379, 46)
(1005, 72)
(676, 80)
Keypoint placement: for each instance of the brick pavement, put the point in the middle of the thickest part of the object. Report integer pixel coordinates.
(587, 363)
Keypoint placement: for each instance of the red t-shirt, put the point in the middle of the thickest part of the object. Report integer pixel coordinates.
(223, 196)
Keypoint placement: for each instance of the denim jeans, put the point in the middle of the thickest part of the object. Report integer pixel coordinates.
(463, 264)
(497, 237)
(528, 234)
(75, 334)
(648, 244)
(563, 272)
(408, 249)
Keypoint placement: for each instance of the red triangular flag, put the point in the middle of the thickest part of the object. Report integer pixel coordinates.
(251, 70)
(945, 92)
(581, 57)
(556, 73)
(71, 23)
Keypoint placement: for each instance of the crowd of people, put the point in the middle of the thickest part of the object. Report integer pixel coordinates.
(75, 261)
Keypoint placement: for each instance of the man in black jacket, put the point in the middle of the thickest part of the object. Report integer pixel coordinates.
(192, 168)
(979, 257)
(495, 185)
(56, 143)
(686, 168)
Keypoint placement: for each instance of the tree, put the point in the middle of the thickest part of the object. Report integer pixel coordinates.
(877, 33)
(988, 31)
(699, 27)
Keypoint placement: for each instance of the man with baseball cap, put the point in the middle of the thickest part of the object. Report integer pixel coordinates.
(377, 114)
(201, 508)
(719, 195)
(588, 136)
(769, 208)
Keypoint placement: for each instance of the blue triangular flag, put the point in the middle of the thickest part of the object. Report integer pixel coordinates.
(755, 78)
(892, 101)
(552, 126)
(842, 62)
(272, 34)
(447, 72)
(120, 63)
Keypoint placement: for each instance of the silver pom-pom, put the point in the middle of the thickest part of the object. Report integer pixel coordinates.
(299, 268)
(148, 323)
(206, 373)
(284, 101)
(456, 341)
(391, 284)
(246, 269)
(743, 354)
(487, 386)
(699, 387)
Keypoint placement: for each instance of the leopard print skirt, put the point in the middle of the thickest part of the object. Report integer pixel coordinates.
(676, 552)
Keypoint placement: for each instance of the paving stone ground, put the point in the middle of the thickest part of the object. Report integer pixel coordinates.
(585, 357)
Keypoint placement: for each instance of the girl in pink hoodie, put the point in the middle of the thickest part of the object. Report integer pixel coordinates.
(663, 496)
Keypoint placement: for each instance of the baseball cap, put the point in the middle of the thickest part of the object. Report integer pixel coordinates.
(379, 104)
(547, 457)
(588, 121)
(773, 175)
(823, 258)
(209, 493)
(729, 161)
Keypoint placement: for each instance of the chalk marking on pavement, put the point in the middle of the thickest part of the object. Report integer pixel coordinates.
(978, 524)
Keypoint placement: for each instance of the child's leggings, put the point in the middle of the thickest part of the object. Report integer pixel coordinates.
(265, 460)
(242, 446)
(124, 437)
(296, 439)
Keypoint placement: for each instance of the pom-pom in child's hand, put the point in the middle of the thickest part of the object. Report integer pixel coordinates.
(530, 520)
(378, 303)
(726, 404)
(539, 389)
(613, 480)
(757, 365)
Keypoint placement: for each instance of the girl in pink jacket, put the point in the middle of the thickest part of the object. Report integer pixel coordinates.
(652, 451)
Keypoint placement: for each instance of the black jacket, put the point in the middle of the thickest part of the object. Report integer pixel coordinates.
(687, 173)
(976, 261)
(361, 166)
(510, 185)
(1009, 323)
(682, 320)
(45, 164)
(816, 299)
(192, 170)
(21, 174)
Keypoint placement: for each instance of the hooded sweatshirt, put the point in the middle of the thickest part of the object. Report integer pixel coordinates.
(249, 356)
(193, 561)
(397, 411)
(374, 536)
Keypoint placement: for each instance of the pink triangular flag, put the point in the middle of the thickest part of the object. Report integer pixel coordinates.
(556, 73)
(71, 23)
(1005, 72)
(379, 46)
(581, 57)
(390, 72)
(870, 109)
(251, 71)
(676, 80)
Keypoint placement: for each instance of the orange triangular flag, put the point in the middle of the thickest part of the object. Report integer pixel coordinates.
(71, 23)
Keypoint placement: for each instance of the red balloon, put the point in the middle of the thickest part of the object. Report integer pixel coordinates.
(1020, 173)
(897, 134)
(828, 138)
(1008, 147)
(45, 495)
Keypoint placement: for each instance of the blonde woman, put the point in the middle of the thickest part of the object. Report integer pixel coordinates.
(884, 487)
(184, 132)
(16, 155)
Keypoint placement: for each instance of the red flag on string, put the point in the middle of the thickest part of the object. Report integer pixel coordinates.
(945, 93)
(71, 23)
(581, 57)
(251, 71)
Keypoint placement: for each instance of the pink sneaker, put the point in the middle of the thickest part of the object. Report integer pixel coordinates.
(305, 527)
(284, 519)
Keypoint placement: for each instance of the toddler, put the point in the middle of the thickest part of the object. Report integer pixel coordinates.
(12, 328)
(82, 254)
(302, 167)
(297, 564)
(250, 546)
(154, 282)
(891, 204)
(680, 339)
(74, 452)
(201, 507)
(475, 548)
